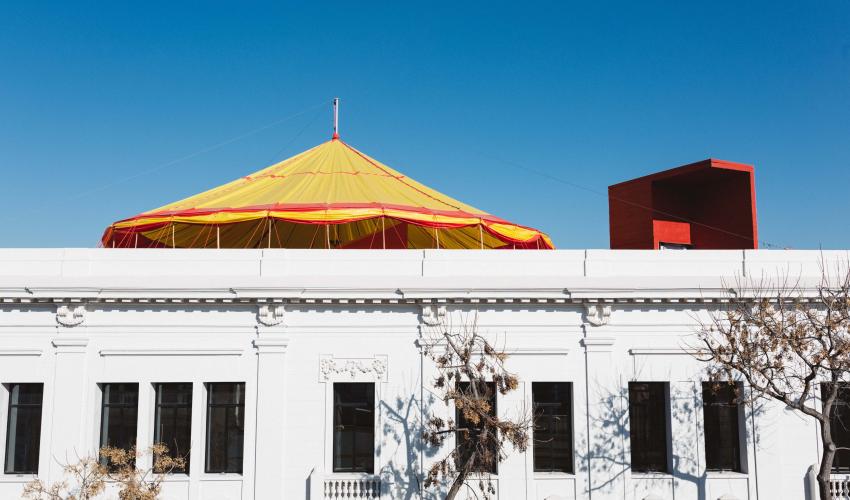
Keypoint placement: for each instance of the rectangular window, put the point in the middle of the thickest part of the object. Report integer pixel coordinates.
(354, 427)
(468, 433)
(839, 424)
(553, 429)
(119, 414)
(173, 419)
(225, 427)
(23, 428)
(648, 426)
(720, 415)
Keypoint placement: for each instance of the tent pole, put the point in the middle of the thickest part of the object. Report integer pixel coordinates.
(136, 241)
(217, 236)
(270, 232)
(328, 235)
(383, 233)
(481, 235)
(173, 237)
(437, 236)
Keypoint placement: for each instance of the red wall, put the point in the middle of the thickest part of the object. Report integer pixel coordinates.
(714, 198)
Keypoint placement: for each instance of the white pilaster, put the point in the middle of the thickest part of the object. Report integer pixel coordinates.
(271, 413)
(603, 468)
(69, 404)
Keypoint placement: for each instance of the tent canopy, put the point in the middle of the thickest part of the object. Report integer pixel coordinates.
(331, 196)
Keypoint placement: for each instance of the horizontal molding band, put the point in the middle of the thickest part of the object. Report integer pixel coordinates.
(20, 352)
(172, 352)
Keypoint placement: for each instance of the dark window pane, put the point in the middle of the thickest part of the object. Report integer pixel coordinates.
(23, 428)
(648, 426)
(467, 438)
(354, 427)
(840, 426)
(553, 430)
(119, 415)
(225, 427)
(173, 419)
(720, 415)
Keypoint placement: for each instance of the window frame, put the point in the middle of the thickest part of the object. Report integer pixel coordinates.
(9, 407)
(738, 426)
(843, 386)
(477, 468)
(570, 434)
(374, 410)
(209, 406)
(104, 406)
(157, 406)
(665, 408)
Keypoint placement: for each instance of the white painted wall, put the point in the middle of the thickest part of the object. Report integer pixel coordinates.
(596, 318)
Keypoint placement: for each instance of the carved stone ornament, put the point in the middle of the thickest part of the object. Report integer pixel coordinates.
(597, 314)
(433, 314)
(352, 370)
(270, 314)
(67, 316)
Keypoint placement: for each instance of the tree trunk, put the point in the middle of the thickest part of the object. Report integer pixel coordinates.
(462, 474)
(825, 470)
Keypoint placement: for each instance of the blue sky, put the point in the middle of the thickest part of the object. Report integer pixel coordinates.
(98, 100)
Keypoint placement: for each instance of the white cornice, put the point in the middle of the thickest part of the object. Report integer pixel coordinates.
(352, 297)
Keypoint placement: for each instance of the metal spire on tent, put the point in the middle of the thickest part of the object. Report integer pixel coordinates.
(336, 118)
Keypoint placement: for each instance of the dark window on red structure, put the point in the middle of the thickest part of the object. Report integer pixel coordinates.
(648, 426)
(840, 426)
(23, 428)
(553, 429)
(119, 416)
(173, 419)
(225, 426)
(722, 435)
(354, 427)
(468, 433)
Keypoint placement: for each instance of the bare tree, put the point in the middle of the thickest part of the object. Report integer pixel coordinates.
(138, 483)
(470, 373)
(788, 342)
(86, 479)
(89, 476)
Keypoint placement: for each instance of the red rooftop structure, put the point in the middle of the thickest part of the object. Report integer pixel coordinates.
(709, 204)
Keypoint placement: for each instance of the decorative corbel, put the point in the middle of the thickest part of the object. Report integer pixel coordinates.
(597, 314)
(66, 316)
(270, 314)
(433, 314)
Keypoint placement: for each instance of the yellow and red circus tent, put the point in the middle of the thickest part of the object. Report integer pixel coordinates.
(331, 196)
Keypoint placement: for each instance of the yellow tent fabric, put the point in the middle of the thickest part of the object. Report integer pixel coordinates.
(331, 196)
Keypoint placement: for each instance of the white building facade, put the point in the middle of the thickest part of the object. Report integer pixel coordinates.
(246, 355)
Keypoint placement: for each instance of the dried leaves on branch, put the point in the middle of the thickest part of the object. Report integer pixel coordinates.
(788, 342)
(88, 477)
(470, 374)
